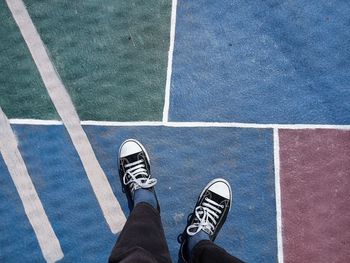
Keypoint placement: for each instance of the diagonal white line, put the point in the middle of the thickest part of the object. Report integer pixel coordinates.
(170, 61)
(33, 207)
(64, 106)
(276, 150)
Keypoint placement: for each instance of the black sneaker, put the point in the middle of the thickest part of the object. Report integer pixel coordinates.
(134, 170)
(209, 214)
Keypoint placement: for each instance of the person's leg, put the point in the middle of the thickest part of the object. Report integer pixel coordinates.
(208, 252)
(204, 224)
(142, 238)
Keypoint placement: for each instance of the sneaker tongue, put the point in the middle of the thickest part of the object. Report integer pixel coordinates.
(132, 158)
(216, 198)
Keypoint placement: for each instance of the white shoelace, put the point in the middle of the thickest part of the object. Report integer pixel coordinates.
(136, 175)
(207, 214)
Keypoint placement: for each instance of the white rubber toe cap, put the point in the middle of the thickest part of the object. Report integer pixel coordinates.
(221, 187)
(129, 147)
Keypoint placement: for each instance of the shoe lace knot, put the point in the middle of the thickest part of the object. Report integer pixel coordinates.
(206, 216)
(137, 176)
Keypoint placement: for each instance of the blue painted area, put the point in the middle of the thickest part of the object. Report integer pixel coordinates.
(17, 239)
(183, 160)
(67, 197)
(262, 62)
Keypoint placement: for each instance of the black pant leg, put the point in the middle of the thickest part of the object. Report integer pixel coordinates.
(207, 252)
(142, 238)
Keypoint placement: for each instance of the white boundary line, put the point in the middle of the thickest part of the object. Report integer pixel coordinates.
(187, 124)
(35, 122)
(276, 151)
(65, 108)
(47, 239)
(256, 125)
(112, 123)
(170, 61)
(87, 123)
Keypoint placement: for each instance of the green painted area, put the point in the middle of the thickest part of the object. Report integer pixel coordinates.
(111, 55)
(22, 92)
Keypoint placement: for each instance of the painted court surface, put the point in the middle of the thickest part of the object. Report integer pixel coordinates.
(257, 93)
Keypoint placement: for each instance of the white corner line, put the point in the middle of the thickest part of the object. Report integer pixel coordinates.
(47, 239)
(170, 61)
(276, 150)
(109, 204)
(310, 126)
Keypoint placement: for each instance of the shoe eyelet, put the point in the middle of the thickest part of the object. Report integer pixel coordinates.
(180, 238)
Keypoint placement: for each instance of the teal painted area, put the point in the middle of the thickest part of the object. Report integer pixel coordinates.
(22, 92)
(111, 55)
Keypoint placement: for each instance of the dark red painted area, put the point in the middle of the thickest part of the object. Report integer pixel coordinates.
(315, 188)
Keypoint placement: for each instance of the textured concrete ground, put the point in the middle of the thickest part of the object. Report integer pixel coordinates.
(264, 63)
(267, 62)
(315, 182)
(59, 178)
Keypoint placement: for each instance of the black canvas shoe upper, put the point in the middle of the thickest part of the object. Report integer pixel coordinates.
(209, 215)
(134, 170)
